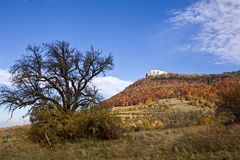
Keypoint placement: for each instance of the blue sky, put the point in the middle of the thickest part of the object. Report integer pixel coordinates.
(141, 34)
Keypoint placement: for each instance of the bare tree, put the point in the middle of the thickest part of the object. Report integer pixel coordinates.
(55, 75)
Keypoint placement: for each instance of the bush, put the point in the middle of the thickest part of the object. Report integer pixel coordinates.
(100, 124)
(60, 126)
(230, 101)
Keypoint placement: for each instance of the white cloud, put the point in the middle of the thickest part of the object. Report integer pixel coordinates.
(219, 22)
(4, 77)
(109, 85)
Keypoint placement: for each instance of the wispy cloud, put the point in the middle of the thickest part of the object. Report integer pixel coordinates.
(219, 24)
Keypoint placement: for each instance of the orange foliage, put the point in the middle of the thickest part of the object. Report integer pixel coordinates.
(202, 88)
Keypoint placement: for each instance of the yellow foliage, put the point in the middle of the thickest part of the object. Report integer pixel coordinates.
(207, 120)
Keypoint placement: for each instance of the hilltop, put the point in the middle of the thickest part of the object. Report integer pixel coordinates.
(200, 89)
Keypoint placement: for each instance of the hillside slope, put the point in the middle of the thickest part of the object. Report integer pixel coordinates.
(198, 88)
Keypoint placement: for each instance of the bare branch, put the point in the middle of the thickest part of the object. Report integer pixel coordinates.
(54, 74)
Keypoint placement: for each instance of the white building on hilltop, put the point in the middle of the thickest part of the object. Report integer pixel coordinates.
(155, 73)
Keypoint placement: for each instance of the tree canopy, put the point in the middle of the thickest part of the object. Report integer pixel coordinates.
(55, 75)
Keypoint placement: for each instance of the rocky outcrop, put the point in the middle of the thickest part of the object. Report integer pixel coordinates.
(155, 73)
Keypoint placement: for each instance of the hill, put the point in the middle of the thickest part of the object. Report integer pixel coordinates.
(164, 118)
(199, 89)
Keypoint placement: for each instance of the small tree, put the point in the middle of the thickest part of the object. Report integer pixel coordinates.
(230, 101)
(57, 76)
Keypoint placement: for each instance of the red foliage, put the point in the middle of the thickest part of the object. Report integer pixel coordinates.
(190, 87)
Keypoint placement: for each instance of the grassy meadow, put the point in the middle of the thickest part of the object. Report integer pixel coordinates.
(167, 129)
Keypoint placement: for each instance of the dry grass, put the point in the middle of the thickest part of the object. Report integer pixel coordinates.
(180, 140)
(202, 142)
(166, 113)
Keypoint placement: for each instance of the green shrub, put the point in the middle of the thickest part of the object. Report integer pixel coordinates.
(60, 126)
